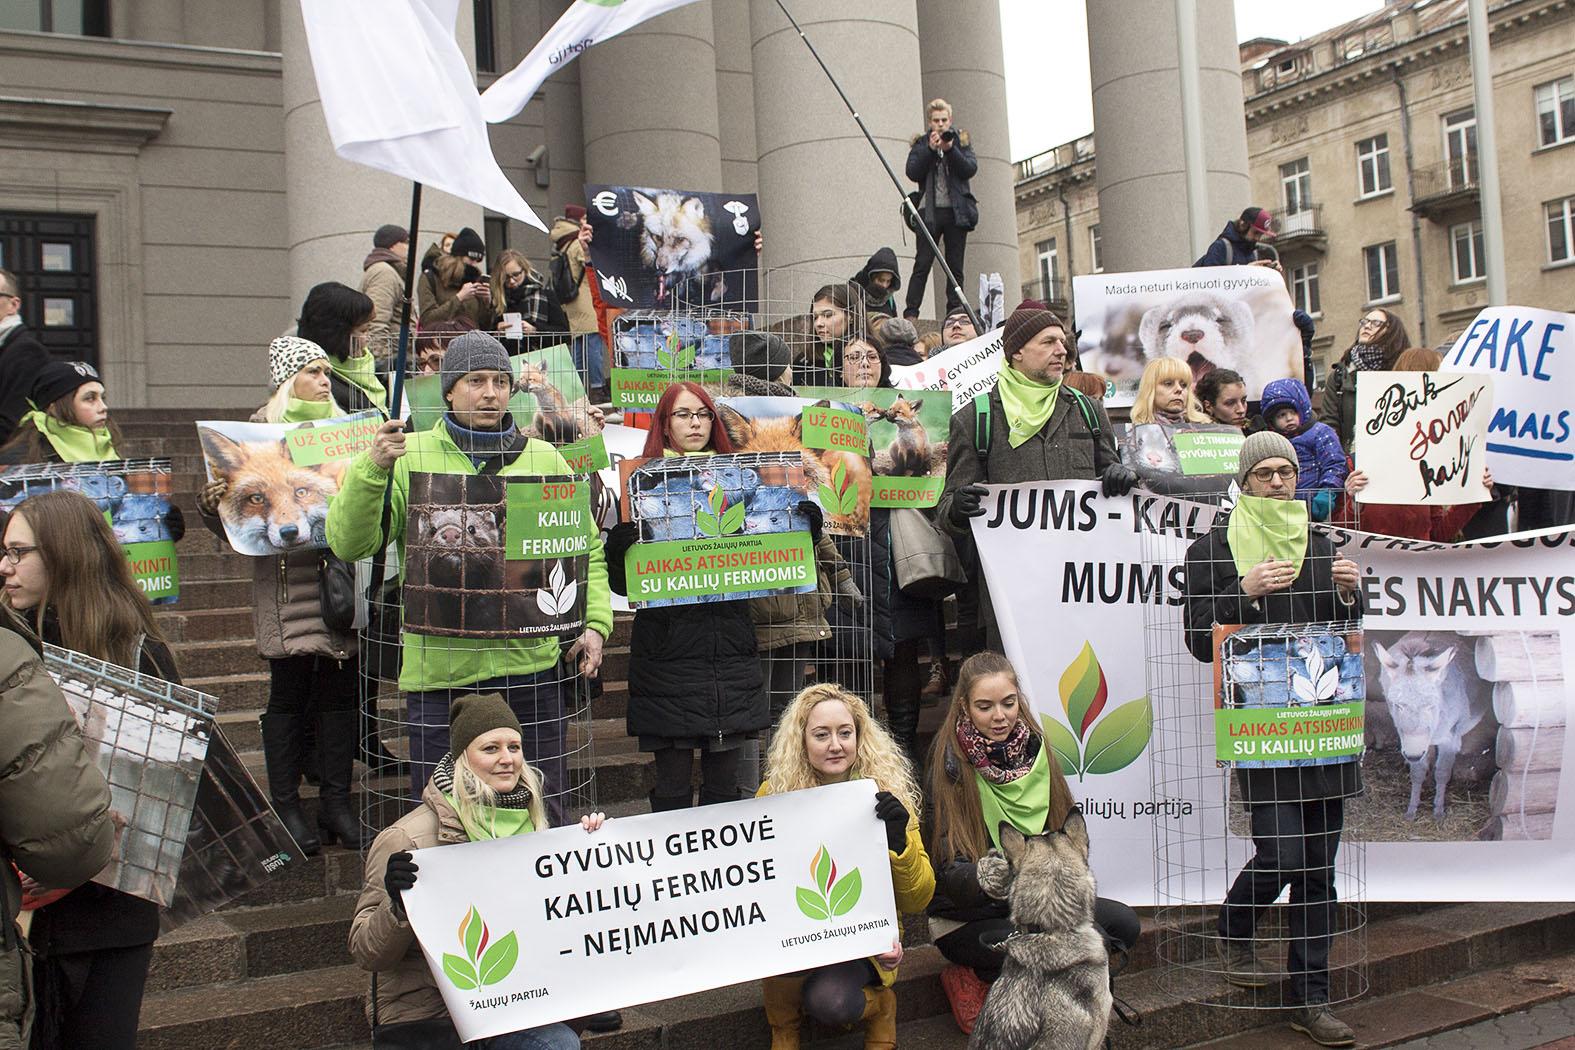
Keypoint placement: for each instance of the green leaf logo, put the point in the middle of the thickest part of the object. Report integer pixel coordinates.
(1096, 744)
(841, 496)
(830, 896)
(721, 519)
(675, 356)
(484, 962)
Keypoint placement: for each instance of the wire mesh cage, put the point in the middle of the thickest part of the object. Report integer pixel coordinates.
(1258, 740)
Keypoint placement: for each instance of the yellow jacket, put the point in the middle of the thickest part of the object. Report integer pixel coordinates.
(912, 879)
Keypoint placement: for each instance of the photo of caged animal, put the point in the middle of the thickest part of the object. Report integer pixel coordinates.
(752, 429)
(271, 505)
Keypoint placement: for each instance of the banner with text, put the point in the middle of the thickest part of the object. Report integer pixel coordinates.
(524, 931)
(908, 434)
(1464, 649)
(653, 350)
(1421, 437)
(837, 457)
(1197, 459)
(965, 370)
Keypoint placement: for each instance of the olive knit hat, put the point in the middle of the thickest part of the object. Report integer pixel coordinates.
(473, 715)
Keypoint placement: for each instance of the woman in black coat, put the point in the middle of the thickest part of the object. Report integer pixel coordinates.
(694, 670)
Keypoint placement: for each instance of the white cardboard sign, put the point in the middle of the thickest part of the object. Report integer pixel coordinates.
(1421, 437)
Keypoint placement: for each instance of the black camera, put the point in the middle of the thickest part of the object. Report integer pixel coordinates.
(949, 135)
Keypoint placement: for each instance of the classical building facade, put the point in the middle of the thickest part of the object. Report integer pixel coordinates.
(1362, 141)
(168, 191)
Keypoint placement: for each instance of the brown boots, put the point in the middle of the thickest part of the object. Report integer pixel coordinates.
(782, 995)
(880, 1018)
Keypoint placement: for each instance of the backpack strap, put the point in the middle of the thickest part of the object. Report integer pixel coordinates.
(1086, 405)
(981, 427)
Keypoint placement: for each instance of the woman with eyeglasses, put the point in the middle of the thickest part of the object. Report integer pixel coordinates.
(694, 670)
(67, 577)
(520, 288)
(1380, 339)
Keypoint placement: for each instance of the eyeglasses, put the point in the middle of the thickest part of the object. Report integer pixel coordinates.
(1370, 322)
(684, 415)
(14, 555)
(1268, 474)
(863, 355)
(958, 322)
(514, 276)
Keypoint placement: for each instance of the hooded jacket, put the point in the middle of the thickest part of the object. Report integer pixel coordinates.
(957, 165)
(1319, 456)
(440, 300)
(581, 310)
(1230, 248)
(883, 261)
(383, 281)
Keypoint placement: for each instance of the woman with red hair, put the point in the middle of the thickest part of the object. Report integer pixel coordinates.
(694, 671)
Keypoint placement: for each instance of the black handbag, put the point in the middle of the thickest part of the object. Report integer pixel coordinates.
(336, 592)
(908, 213)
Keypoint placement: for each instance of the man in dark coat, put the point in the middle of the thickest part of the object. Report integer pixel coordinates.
(879, 280)
(1237, 244)
(1296, 812)
(941, 161)
(22, 356)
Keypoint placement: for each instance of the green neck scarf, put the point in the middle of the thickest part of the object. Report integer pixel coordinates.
(298, 411)
(492, 822)
(1028, 404)
(1025, 802)
(361, 371)
(73, 443)
(1261, 529)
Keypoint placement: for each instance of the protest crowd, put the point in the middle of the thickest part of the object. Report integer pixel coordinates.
(401, 652)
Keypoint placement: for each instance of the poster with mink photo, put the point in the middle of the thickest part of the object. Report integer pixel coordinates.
(674, 249)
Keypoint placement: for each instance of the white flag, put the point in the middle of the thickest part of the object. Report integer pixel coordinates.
(585, 23)
(398, 96)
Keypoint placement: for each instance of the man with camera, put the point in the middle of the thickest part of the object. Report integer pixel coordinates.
(941, 161)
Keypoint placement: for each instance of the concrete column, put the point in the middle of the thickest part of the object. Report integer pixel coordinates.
(648, 104)
(960, 59)
(1140, 163)
(826, 202)
(333, 205)
(735, 96)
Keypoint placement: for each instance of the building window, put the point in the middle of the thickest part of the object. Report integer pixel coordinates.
(1460, 148)
(76, 17)
(1556, 111)
(1465, 251)
(1304, 289)
(1383, 272)
(53, 259)
(486, 38)
(1372, 166)
(1561, 230)
(1296, 181)
(1048, 267)
(1093, 249)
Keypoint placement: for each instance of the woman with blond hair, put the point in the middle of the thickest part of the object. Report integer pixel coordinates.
(1164, 394)
(990, 764)
(827, 736)
(519, 288)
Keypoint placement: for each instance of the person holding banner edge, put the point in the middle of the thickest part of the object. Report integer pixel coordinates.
(476, 435)
(1263, 565)
(828, 736)
(484, 788)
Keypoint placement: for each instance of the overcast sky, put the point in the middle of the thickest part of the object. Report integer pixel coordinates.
(1046, 43)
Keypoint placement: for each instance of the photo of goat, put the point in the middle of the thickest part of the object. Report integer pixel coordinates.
(671, 249)
(1465, 735)
(909, 430)
(841, 480)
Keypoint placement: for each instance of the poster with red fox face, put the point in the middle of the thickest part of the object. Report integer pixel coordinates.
(682, 250)
(836, 457)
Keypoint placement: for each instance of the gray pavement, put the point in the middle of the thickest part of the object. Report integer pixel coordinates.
(1546, 1023)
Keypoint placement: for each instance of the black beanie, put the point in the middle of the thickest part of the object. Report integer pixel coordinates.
(58, 379)
(760, 354)
(467, 241)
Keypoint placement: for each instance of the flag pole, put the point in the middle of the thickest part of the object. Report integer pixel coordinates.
(397, 389)
(907, 204)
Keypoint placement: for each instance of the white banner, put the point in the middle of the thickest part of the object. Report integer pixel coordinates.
(967, 370)
(1466, 650)
(1421, 437)
(525, 931)
(1530, 441)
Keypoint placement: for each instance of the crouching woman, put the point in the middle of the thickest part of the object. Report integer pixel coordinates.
(990, 764)
(827, 736)
(482, 789)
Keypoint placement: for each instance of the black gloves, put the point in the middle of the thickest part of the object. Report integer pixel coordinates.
(1118, 479)
(966, 503)
(811, 511)
(895, 815)
(619, 539)
(399, 876)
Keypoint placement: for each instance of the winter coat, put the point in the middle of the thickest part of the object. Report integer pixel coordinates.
(1214, 596)
(383, 942)
(898, 617)
(22, 356)
(383, 281)
(1065, 449)
(536, 304)
(54, 812)
(818, 364)
(1230, 248)
(356, 513)
(581, 310)
(353, 397)
(440, 294)
(1338, 406)
(912, 879)
(786, 619)
(1320, 459)
(876, 302)
(957, 165)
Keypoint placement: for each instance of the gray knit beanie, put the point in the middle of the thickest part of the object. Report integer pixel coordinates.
(1265, 444)
(473, 352)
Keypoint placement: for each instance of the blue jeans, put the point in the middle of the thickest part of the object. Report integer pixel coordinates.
(590, 357)
(547, 1037)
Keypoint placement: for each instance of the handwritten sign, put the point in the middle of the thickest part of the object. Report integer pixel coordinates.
(1422, 437)
(1531, 354)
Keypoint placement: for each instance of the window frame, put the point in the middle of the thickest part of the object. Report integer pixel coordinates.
(1471, 163)
(1560, 89)
(1302, 180)
(1379, 155)
(1307, 278)
(1473, 238)
(1389, 256)
(1047, 276)
(1566, 216)
(1095, 254)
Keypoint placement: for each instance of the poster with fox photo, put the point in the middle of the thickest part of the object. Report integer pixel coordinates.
(718, 528)
(838, 468)
(908, 432)
(653, 350)
(1288, 695)
(279, 477)
(136, 496)
(489, 556)
(1197, 460)
(1233, 317)
(667, 249)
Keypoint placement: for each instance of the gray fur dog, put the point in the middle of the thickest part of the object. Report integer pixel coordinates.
(1054, 988)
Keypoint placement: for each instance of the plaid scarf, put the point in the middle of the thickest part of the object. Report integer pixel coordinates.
(999, 763)
(1365, 358)
(443, 780)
